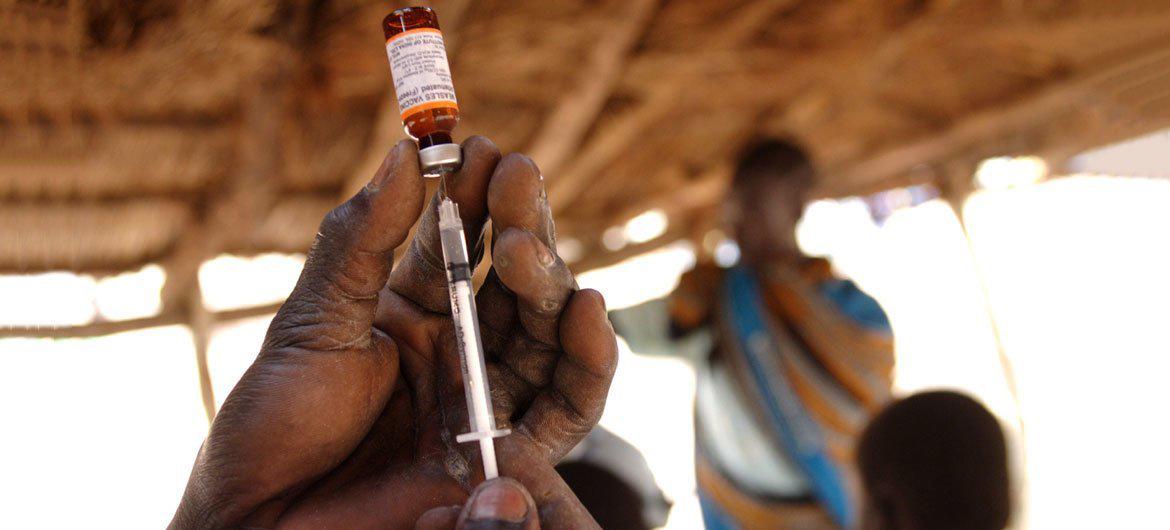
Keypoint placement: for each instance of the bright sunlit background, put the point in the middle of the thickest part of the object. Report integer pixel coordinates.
(1070, 274)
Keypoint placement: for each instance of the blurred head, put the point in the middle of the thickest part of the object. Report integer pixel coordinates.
(609, 499)
(772, 181)
(935, 460)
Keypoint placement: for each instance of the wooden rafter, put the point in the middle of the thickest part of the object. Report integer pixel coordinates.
(747, 22)
(110, 327)
(200, 321)
(1109, 106)
(605, 147)
(701, 192)
(598, 256)
(924, 84)
(238, 209)
(565, 127)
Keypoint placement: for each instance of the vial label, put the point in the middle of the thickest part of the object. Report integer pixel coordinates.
(422, 77)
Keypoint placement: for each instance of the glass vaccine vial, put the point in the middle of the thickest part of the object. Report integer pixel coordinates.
(422, 82)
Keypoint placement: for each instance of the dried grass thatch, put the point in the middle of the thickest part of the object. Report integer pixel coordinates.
(172, 130)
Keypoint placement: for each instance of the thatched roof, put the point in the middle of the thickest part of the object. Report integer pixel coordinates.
(170, 131)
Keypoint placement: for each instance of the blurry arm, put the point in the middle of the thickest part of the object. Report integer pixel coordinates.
(676, 325)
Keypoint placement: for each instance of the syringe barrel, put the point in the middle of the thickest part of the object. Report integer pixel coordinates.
(465, 317)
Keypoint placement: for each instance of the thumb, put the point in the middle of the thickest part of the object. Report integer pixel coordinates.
(350, 260)
(293, 417)
(500, 503)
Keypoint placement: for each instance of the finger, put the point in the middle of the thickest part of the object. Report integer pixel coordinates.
(566, 410)
(384, 499)
(497, 312)
(323, 375)
(418, 286)
(559, 507)
(421, 275)
(540, 281)
(443, 518)
(516, 199)
(541, 285)
(500, 503)
(337, 292)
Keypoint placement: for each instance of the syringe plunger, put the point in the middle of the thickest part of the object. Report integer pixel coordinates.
(463, 313)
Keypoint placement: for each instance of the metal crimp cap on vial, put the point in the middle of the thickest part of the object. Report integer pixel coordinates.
(440, 158)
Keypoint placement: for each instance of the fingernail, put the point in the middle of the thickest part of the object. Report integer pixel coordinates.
(499, 502)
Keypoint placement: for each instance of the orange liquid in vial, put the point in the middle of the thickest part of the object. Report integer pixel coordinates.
(422, 76)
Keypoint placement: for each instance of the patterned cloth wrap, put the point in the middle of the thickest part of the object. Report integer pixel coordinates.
(791, 363)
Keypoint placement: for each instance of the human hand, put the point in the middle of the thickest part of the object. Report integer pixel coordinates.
(347, 417)
(500, 503)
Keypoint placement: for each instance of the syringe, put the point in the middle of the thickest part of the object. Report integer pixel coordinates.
(475, 383)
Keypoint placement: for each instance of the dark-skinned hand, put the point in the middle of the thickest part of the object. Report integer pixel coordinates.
(348, 416)
(498, 504)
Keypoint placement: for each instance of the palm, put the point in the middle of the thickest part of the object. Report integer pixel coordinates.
(376, 448)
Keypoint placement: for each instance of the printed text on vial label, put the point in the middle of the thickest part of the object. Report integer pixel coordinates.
(418, 62)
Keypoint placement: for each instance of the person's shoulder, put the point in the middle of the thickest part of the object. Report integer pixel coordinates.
(677, 324)
(856, 304)
(846, 297)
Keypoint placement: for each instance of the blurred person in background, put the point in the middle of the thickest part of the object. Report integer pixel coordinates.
(934, 461)
(614, 483)
(791, 360)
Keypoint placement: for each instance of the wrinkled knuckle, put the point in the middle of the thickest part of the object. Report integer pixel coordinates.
(547, 310)
(202, 504)
(334, 222)
(505, 260)
(346, 216)
(304, 305)
(340, 333)
(581, 419)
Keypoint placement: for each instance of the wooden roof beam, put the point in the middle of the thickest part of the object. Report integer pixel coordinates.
(701, 192)
(1071, 116)
(567, 124)
(747, 22)
(109, 327)
(605, 147)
